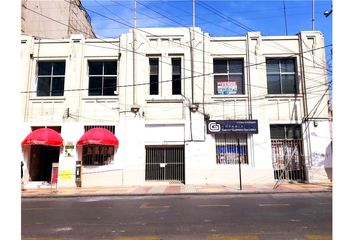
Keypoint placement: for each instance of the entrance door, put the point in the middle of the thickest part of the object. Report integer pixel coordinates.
(42, 158)
(165, 163)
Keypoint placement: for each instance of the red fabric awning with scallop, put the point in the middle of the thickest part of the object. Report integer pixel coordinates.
(98, 136)
(43, 136)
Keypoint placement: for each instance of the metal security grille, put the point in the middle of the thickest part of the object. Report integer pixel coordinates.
(165, 163)
(110, 128)
(287, 152)
(231, 148)
(288, 159)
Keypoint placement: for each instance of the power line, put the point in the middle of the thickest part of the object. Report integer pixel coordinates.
(169, 63)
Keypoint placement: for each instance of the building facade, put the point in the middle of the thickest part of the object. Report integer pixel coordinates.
(185, 107)
(55, 19)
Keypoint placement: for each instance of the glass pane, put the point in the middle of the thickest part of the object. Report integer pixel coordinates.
(154, 66)
(95, 86)
(176, 66)
(236, 66)
(289, 83)
(109, 86)
(220, 84)
(277, 132)
(95, 68)
(58, 86)
(273, 84)
(58, 68)
(176, 84)
(220, 66)
(293, 132)
(44, 68)
(272, 66)
(110, 68)
(154, 85)
(288, 65)
(239, 83)
(43, 86)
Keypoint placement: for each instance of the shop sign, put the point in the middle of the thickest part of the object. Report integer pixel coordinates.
(236, 126)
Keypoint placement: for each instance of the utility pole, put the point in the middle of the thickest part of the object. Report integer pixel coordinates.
(313, 15)
(192, 50)
(134, 77)
(193, 17)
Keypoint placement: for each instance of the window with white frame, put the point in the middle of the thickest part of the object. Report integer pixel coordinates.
(231, 148)
(228, 76)
(281, 76)
(154, 76)
(50, 78)
(102, 77)
(176, 76)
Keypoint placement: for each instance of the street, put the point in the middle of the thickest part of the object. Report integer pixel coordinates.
(247, 216)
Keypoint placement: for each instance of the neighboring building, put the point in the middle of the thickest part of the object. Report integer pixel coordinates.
(55, 19)
(185, 111)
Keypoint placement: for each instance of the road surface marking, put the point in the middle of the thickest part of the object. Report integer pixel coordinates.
(214, 205)
(41, 238)
(30, 209)
(146, 205)
(273, 204)
(138, 238)
(325, 203)
(318, 237)
(236, 237)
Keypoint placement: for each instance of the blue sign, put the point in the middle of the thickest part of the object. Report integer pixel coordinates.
(236, 126)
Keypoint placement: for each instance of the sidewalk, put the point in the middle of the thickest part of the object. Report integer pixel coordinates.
(174, 189)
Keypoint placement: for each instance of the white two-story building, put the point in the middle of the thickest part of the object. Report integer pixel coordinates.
(179, 105)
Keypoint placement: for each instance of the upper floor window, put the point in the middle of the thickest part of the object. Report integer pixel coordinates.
(50, 78)
(176, 76)
(228, 77)
(281, 76)
(285, 131)
(102, 78)
(154, 76)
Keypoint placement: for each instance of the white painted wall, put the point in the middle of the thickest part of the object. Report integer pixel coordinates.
(165, 119)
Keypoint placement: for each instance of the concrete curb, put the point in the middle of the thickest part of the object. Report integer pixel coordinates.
(56, 195)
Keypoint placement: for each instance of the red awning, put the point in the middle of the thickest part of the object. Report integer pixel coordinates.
(43, 136)
(99, 136)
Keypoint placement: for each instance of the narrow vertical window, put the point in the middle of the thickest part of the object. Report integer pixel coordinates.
(176, 76)
(154, 76)
(50, 78)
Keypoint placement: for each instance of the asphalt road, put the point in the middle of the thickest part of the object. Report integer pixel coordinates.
(248, 217)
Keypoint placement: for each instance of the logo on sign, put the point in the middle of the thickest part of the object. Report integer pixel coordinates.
(214, 127)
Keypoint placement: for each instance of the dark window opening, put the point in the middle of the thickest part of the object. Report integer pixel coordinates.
(228, 76)
(50, 78)
(102, 78)
(281, 76)
(154, 76)
(176, 76)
